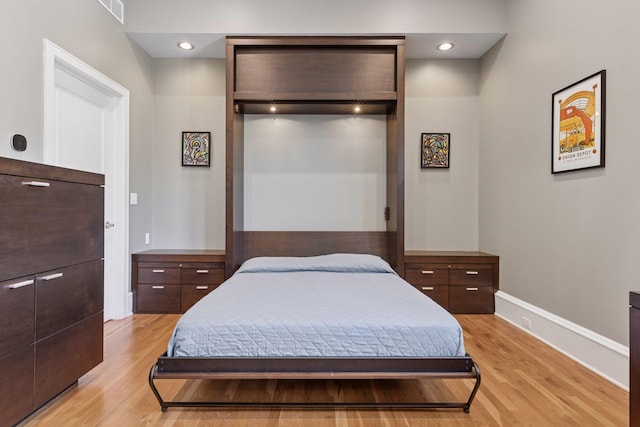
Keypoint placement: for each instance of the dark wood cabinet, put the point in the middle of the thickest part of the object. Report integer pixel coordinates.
(634, 359)
(171, 281)
(51, 282)
(461, 282)
(314, 75)
(16, 386)
(17, 314)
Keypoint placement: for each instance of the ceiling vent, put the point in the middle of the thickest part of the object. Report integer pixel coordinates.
(115, 7)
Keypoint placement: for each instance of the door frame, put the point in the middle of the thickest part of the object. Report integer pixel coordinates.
(118, 297)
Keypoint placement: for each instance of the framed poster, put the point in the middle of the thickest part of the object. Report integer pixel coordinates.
(577, 125)
(435, 150)
(195, 148)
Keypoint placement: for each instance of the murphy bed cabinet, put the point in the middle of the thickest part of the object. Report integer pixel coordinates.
(314, 75)
(51, 282)
(461, 282)
(171, 281)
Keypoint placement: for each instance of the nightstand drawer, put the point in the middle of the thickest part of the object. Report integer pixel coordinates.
(471, 299)
(210, 276)
(473, 275)
(191, 294)
(427, 276)
(159, 274)
(158, 298)
(439, 294)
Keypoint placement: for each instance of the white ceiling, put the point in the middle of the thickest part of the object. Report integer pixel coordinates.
(473, 26)
(165, 45)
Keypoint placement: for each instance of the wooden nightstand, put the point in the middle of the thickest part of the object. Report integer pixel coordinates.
(171, 281)
(461, 282)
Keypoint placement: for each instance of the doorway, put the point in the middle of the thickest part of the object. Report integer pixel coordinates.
(86, 127)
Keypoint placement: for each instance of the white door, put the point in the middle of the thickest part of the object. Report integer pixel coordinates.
(86, 128)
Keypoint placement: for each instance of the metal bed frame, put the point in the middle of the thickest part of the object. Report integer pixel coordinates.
(314, 368)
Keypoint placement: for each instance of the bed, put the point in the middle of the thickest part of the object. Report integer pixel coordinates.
(336, 316)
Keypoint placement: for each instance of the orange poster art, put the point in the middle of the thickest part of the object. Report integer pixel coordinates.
(578, 125)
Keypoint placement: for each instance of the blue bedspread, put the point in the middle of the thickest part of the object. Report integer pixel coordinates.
(316, 312)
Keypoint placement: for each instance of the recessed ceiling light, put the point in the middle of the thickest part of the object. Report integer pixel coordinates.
(445, 46)
(357, 109)
(185, 45)
(273, 109)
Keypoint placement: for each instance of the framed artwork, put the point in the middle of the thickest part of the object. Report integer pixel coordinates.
(195, 148)
(578, 123)
(435, 150)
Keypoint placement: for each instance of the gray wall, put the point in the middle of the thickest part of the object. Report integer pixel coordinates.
(568, 243)
(188, 202)
(441, 205)
(88, 31)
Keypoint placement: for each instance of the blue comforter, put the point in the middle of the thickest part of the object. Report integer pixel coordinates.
(299, 307)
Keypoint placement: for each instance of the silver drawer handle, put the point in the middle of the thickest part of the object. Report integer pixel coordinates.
(36, 183)
(21, 284)
(202, 288)
(472, 273)
(52, 276)
(158, 271)
(157, 287)
(427, 288)
(472, 289)
(427, 271)
(202, 271)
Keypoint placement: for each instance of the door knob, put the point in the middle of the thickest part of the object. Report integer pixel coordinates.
(109, 224)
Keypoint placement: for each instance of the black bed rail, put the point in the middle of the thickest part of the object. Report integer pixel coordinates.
(314, 368)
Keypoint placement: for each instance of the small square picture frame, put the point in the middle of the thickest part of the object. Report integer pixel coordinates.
(196, 148)
(435, 147)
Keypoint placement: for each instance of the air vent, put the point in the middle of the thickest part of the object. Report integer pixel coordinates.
(115, 7)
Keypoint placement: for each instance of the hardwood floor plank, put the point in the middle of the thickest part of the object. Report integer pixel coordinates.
(524, 383)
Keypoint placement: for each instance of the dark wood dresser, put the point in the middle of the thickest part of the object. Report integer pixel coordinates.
(461, 282)
(51, 282)
(171, 281)
(634, 359)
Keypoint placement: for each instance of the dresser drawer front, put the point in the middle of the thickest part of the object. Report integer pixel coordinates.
(158, 298)
(191, 294)
(66, 356)
(160, 274)
(17, 303)
(68, 295)
(48, 224)
(16, 387)
(473, 275)
(209, 276)
(439, 294)
(471, 299)
(427, 276)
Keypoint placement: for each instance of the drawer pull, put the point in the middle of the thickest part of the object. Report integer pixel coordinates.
(52, 276)
(157, 287)
(36, 183)
(427, 288)
(472, 289)
(427, 271)
(202, 271)
(158, 271)
(472, 273)
(202, 288)
(21, 284)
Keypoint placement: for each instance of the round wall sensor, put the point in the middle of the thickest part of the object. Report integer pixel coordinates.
(19, 142)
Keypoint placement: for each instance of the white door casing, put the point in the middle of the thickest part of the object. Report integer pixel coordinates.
(86, 127)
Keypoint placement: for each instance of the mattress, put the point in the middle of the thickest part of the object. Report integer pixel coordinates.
(339, 305)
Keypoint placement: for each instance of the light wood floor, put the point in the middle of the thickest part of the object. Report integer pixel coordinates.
(524, 383)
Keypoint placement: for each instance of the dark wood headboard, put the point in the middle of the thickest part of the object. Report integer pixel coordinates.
(309, 243)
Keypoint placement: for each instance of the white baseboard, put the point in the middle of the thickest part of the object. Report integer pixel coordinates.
(601, 355)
